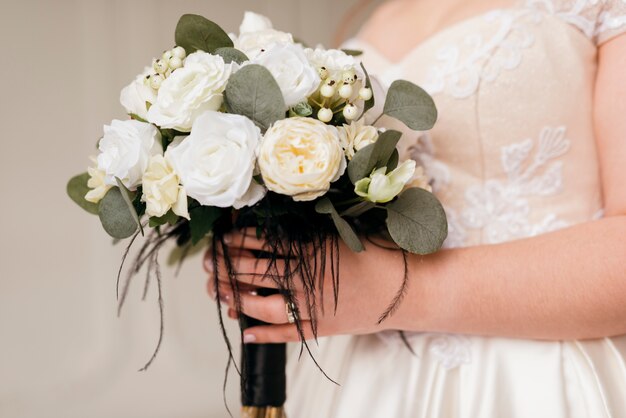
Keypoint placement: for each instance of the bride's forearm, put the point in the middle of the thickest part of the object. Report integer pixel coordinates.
(568, 284)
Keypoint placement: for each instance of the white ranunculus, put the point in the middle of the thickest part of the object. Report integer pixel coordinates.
(300, 157)
(256, 34)
(217, 161)
(162, 190)
(356, 136)
(335, 61)
(190, 91)
(288, 64)
(125, 150)
(381, 187)
(135, 96)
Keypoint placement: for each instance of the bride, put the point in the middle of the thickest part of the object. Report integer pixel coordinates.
(523, 314)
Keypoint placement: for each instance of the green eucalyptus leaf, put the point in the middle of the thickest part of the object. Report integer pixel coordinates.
(417, 222)
(232, 55)
(373, 156)
(253, 92)
(129, 198)
(169, 218)
(347, 234)
(352, 52)
(202, 220)
(194, 32)
(77, 189)
(394, 160)
(368, 83)
(301, 109)
(411, 105)
(115, 215)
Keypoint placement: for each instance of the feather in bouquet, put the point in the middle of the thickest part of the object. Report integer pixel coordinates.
(256, 130)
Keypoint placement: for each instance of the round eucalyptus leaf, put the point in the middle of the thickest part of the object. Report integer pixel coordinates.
(115, 215)
(232, 55)
(77, 189)
(411, 105)
(194, 32)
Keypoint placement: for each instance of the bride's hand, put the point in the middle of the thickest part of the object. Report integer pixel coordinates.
(368, 283)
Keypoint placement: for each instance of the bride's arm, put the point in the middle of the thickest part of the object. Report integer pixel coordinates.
(568, 284)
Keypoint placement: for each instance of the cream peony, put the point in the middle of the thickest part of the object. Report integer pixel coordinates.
(217, 161)
(96, 183)
(125, 150)
(356, 136)
(162, 190)
(300, 157)
(256, 34)
(296, 78)
(190, 91)
(135, 96)
(381, 187)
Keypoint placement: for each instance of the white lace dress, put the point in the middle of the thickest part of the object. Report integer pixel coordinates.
(513, 155)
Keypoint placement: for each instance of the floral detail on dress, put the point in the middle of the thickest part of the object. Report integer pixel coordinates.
(501, 207)
(461, 68)
(452, 350)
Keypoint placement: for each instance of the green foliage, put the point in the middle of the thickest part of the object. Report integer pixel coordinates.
(368, 83)
(194, 32)
(411, 105)
(347, 234)
(301, 109)
(232, 55)
(169, 218)
(373, 156)
(129, 198)
(417, 222)
(202, 220)
(77, 189)
(253, 92)
(353, 52)
(116, 217)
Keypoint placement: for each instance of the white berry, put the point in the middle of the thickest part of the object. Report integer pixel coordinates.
(160, 66)
(327, 90)
(179, 52)
(345, 91)
(156, 80)
(175, 63)
(167, 55)
(350, 112)
(365, 93)
(323, 73)
(349, 77)
(325, 114)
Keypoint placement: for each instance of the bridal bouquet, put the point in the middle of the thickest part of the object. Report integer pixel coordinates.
(257, 130)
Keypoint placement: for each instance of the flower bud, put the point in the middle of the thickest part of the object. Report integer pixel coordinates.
(350, 111)
(325, 115)
(381, 187)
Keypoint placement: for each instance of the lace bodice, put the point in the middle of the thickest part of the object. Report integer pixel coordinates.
(513, 153)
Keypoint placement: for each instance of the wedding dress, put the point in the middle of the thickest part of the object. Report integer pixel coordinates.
(512, 155)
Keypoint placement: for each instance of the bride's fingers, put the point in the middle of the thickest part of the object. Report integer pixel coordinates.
(248, 270)
(271, 309)
(245, 238)
(273, 334)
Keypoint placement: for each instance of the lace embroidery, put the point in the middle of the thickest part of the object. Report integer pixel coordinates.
(452, 350)
(459, 73)
(501, 208)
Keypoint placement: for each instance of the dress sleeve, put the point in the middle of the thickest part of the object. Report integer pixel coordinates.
(611, 20)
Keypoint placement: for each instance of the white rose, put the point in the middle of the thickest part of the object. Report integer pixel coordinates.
(381, 187)
(335, 61)
(96, 183)
(356, 136)
(300, 157)
(135, 95)
(256, 33)
(162, 190)
(125, 150)
(296, 78)
(216, 162)
(190, 91)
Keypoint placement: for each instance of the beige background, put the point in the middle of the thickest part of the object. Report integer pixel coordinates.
(63, 351)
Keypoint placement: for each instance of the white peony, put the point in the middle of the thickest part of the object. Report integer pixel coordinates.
(256, 34)
(381, 187)
(288, 64)
(335, 61)
(162, 190)
(190, 91)
(300, 157)
(217, 161)
(125, 150)
(135, 96)
(356, 136)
